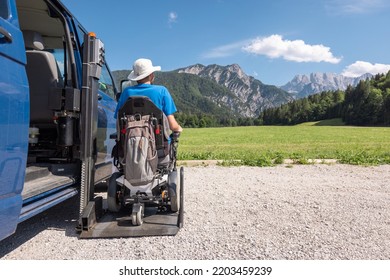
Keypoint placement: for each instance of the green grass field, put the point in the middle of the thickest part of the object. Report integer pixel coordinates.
(268, 145)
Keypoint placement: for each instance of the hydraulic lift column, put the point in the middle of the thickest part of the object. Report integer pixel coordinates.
(93, 59)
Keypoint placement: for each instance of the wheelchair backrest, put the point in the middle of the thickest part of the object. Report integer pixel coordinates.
(142, 106)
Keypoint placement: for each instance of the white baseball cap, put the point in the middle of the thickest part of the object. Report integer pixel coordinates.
(142, 68)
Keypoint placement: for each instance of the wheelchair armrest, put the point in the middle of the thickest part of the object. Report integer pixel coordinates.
(175, 136)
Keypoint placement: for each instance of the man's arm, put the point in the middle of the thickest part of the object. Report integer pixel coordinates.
(173, 124)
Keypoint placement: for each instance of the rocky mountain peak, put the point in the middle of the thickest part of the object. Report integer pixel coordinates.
(252, 94)
(304, 85)
(236, 69)
(194, 69)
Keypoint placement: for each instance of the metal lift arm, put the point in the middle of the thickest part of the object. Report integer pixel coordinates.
(93, 60)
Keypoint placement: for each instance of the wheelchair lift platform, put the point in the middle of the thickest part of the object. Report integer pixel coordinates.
(115, 225)
(97, 222)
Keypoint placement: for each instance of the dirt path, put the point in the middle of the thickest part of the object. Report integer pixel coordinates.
(284, 212)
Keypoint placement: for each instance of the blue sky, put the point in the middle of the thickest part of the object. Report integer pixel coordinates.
(271, 40)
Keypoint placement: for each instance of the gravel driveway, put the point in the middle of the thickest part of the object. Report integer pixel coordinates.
(284, 212)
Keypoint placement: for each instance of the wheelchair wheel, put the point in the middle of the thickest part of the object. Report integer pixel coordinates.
(174, 191)
(113, 202)
(136, 215)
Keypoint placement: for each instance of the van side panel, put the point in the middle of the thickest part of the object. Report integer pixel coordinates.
(14, 122)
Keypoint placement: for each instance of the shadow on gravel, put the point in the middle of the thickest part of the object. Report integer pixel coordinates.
(62, 217)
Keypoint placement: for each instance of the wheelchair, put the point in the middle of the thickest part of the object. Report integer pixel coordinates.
(162, 191)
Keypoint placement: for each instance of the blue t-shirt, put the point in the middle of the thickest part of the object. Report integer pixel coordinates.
(159, 95)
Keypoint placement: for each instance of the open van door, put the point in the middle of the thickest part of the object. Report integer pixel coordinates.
(14, 117)
(42, 85)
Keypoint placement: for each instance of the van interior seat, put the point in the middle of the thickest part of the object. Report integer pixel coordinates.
(43, 77)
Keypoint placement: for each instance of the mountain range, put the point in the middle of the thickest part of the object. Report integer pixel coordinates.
(226, 91)
(304, 85)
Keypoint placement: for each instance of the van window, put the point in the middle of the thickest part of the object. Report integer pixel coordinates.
(80, 34)
(4, 12)
(60, 58)
(106, 83)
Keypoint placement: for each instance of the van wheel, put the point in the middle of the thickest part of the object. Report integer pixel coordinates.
(113, 193)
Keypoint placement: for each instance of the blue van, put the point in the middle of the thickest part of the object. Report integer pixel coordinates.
(43, 89)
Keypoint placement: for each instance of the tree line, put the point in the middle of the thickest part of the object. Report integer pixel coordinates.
(205, 120)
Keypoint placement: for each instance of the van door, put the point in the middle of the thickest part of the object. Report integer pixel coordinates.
(106, 124)
(14, 117)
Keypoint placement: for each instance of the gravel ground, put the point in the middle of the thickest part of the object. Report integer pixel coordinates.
(300, 212)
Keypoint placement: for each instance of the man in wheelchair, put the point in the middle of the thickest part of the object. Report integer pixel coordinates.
(143, 74)
(145, 153)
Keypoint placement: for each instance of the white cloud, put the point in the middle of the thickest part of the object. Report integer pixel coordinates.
(225, 50)
(172, 17)
(355, 6)
(361, 67)
(275, 46)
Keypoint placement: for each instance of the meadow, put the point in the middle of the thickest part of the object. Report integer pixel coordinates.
(269, 145)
